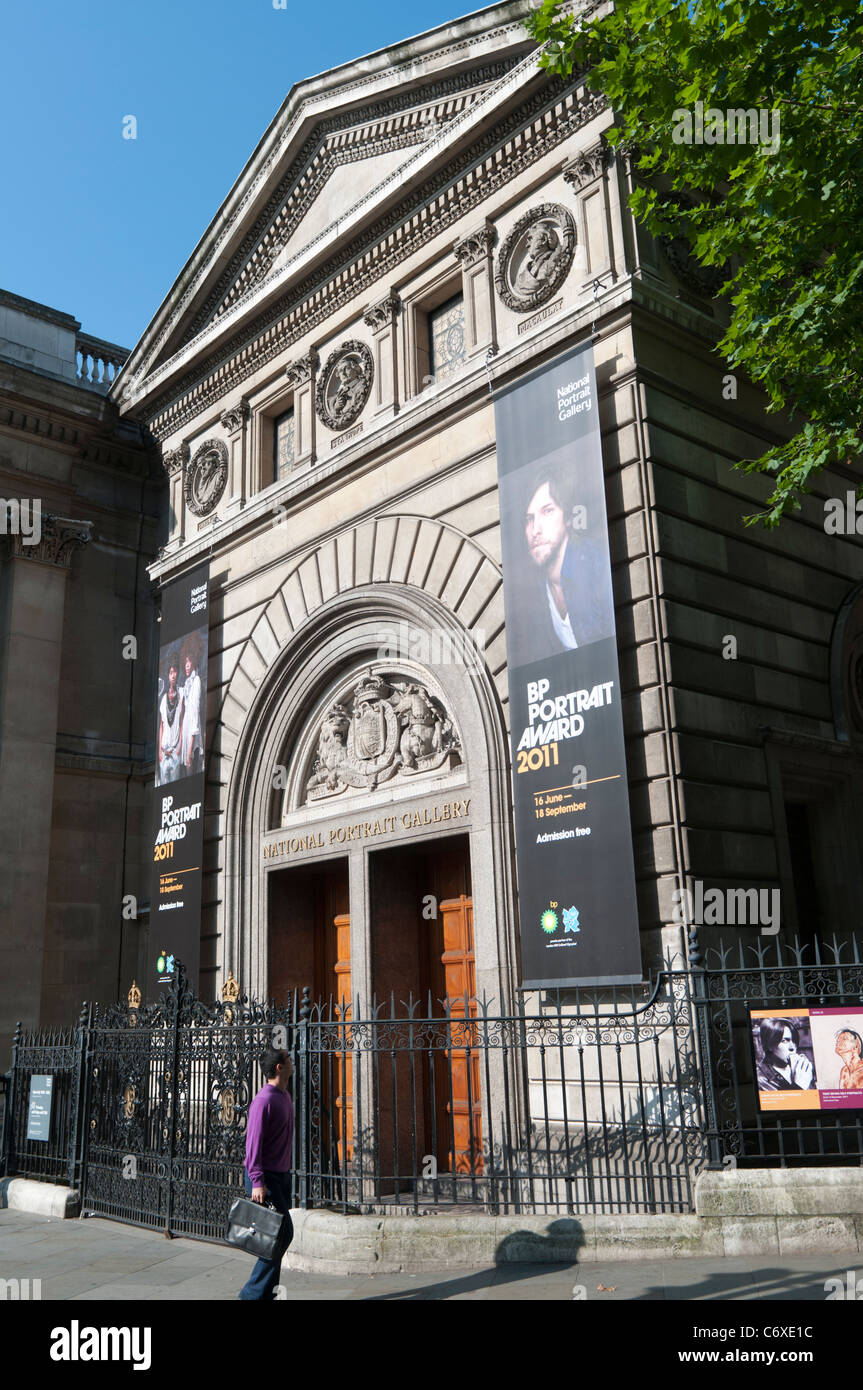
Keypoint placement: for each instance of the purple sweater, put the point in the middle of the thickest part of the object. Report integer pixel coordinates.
(269, 1134)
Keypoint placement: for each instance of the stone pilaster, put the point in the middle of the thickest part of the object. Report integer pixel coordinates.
(33, 582)
(587, 176)
(474, 252)
(301, 376)
(175, 462)
(235, 423)
(381, 319)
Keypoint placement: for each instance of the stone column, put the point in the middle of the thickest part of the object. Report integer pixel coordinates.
(175, 462)
(474, 251)
(235, 424)
(381, 319)
(32, 647)
(361, 929)
(587, 175)
(301, 376)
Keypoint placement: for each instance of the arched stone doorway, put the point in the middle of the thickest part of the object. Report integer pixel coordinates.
(423, 826)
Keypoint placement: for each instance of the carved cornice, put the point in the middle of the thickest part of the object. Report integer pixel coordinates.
(60, 535)
(175, 459)
(300, 372)
(233, 419)
(395, 237)
(587, 166)
(476, 246)
(383, 314)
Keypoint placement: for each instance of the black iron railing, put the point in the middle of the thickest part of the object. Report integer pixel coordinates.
(595, 1101)
(586, 1106)
(4, 1090)
(771, 976)
(60, 1055)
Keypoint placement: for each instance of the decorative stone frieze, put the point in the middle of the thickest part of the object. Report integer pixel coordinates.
(383, 729)
(206, 477)
(344, 386)
(535, 258)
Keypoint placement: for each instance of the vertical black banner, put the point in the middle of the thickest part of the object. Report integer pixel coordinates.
(178, 814)
(576, 878)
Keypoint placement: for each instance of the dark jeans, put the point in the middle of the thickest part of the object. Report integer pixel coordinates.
(265, 1275)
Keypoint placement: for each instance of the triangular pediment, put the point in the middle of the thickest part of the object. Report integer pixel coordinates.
(347, 166)
(331, 160)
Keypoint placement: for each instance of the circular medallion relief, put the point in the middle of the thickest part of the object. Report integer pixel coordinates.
(536, 257)
(206, 477)
(344, 385)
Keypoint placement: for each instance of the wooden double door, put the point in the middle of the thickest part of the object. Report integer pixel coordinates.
(455, 1093)
(422, 951)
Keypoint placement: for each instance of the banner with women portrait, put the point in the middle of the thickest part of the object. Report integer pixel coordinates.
(180, 732)
(808, 1059)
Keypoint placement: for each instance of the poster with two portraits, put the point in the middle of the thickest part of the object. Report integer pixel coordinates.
(808, 1059)
(574, 857)
(178, 811)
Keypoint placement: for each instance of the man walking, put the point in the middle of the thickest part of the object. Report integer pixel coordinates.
(269, 1136)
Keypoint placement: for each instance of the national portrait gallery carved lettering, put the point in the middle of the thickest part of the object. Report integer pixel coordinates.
(443, 813)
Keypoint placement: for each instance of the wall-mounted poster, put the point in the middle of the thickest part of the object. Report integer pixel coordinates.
(576, 877)
(180, 730)
(808, 1059)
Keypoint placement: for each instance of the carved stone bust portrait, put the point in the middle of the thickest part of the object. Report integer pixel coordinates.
(536, 257)
(344, 385)
(206, 477)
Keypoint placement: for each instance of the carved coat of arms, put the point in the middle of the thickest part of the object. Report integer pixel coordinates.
(394, 728)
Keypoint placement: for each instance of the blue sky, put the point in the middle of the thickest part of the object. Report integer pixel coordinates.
(100, 226)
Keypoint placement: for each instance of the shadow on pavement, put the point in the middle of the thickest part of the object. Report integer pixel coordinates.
(514, 1259)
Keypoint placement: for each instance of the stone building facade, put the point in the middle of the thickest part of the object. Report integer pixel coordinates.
(80, 498)
(319, 382)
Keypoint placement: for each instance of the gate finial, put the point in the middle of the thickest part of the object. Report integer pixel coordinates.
(230, 989)
(134, 996)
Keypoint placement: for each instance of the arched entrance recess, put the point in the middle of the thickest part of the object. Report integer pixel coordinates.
(326, 618)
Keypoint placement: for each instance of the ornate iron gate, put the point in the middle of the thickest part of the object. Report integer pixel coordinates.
(168, 1091)
(605, 1101)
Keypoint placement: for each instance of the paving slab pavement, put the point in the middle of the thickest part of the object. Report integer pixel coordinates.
(92, 1259)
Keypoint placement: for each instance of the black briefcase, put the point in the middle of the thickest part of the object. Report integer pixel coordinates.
(255, 1228)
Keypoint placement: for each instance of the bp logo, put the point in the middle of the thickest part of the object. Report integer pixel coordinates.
(548, 920)
(165, 964)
